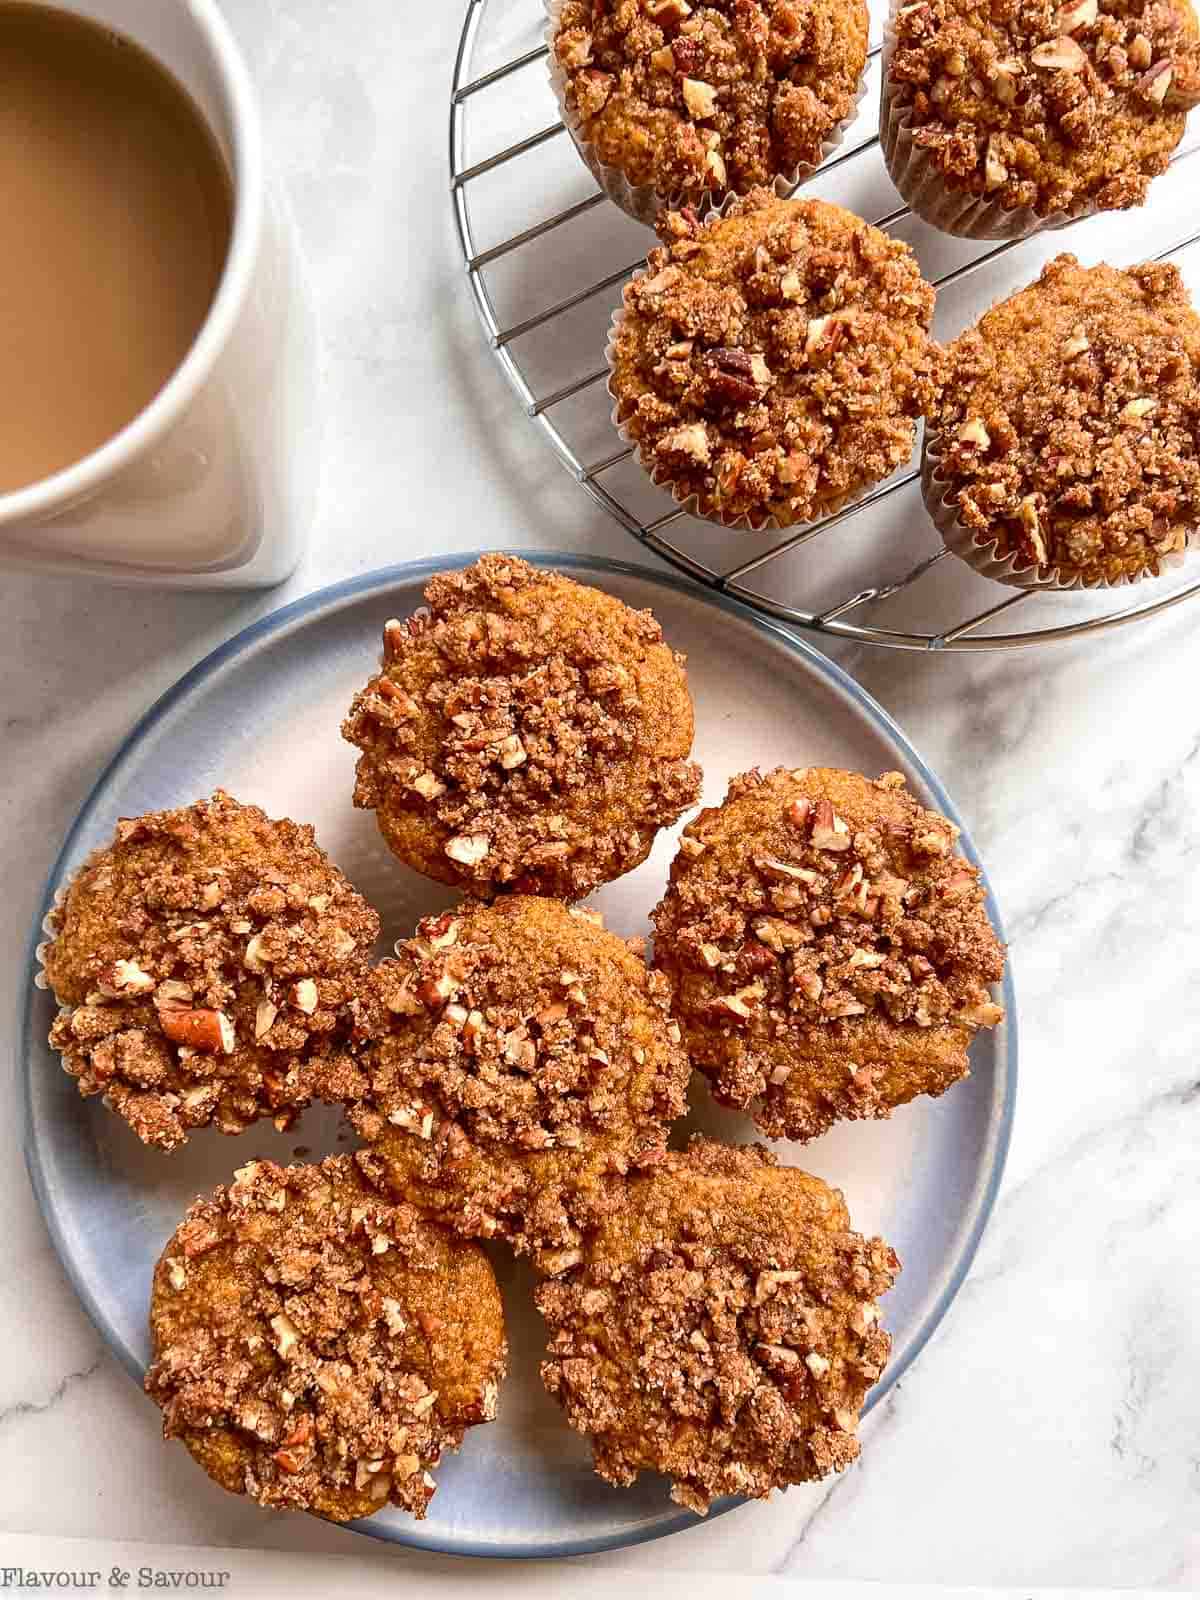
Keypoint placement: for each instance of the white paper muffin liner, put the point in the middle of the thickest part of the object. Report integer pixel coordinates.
(923, 188)
(642, 202)
(986, 558)
(687, 500)
(41, 981)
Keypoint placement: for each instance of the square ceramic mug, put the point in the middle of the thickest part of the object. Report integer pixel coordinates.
(213, 485)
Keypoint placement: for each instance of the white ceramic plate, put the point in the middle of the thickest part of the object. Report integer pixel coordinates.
(260, 717)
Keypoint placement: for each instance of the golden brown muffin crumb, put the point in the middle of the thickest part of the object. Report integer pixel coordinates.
(725, 95)
(773, 362)
(1039, 105)
(526, 732)
(318, 1348)
(204, 961)
(722, 1328)
(829, 947)
(1069, 429)
(523, 1059)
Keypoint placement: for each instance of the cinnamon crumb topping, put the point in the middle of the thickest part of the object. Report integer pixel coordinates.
(830, 948)
(724, 95)
(1038, 104)
(204, 961)
(1070, 422)
(525, 732)
(773, 361)
(318, 1348)
(722, 1328)
(522, 1060)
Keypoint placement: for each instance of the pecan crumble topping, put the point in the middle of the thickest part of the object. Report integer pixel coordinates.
(772, 362)
(526, 732)
(204, 961)
(829, 947)
(722, 1328)
(522, 1059)
(1069, 429)
(317, 1347)
(1037, 104)
(719, 96)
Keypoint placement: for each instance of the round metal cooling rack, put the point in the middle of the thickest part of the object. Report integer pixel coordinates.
(546, 254)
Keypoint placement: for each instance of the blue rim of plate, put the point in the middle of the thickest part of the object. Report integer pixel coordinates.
(407, 573)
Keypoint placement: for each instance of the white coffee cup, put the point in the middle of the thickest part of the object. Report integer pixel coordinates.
(213, 484)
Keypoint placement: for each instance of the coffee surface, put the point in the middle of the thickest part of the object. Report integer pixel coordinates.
(115, 218)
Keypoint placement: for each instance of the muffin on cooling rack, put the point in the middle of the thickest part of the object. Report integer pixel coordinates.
(770, 362)
(1065, 446)
(525, 733)
(205, 962)
(721, 1329)
(997, 122)
(521, 1059)
(317, 1347)
(830, 949)
(670, 103)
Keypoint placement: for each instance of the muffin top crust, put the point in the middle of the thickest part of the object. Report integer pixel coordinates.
(713, 97)
(829, 947)
(774, 359)
(206, 961)
(524, 733)
(317, 1347)
(521, 1060)
(721, 1328)
(1068, 431)
(1033, 104)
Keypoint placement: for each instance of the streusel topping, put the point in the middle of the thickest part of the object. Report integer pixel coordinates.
(317, 1347)
(719, 96)
(523, 1059)
(831, 949)
(1032, 103)
(1070, 422)
(204, 961)
(722, 1328)
(774, 360)
(525, 732)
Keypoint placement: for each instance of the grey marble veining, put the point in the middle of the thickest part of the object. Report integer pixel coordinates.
(1051, 1432)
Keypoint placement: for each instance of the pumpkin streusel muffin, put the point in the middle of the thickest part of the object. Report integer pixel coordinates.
(770, 363)
(525, 733)
(829, 948)
(674, 103)
(205, 961)
(521, 1060)
(1065, 447)
(721, 1328)
(317, 1347)
(997, 122)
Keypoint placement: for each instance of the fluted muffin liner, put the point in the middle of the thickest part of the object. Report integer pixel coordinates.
(925, 191)
(40, 980)
(687, 500)
(643, 202)
(986, 558)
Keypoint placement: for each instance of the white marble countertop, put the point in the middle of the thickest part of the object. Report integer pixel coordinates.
(1050, 1434)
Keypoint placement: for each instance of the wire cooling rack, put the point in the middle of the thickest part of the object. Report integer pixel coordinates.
(546, 255)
